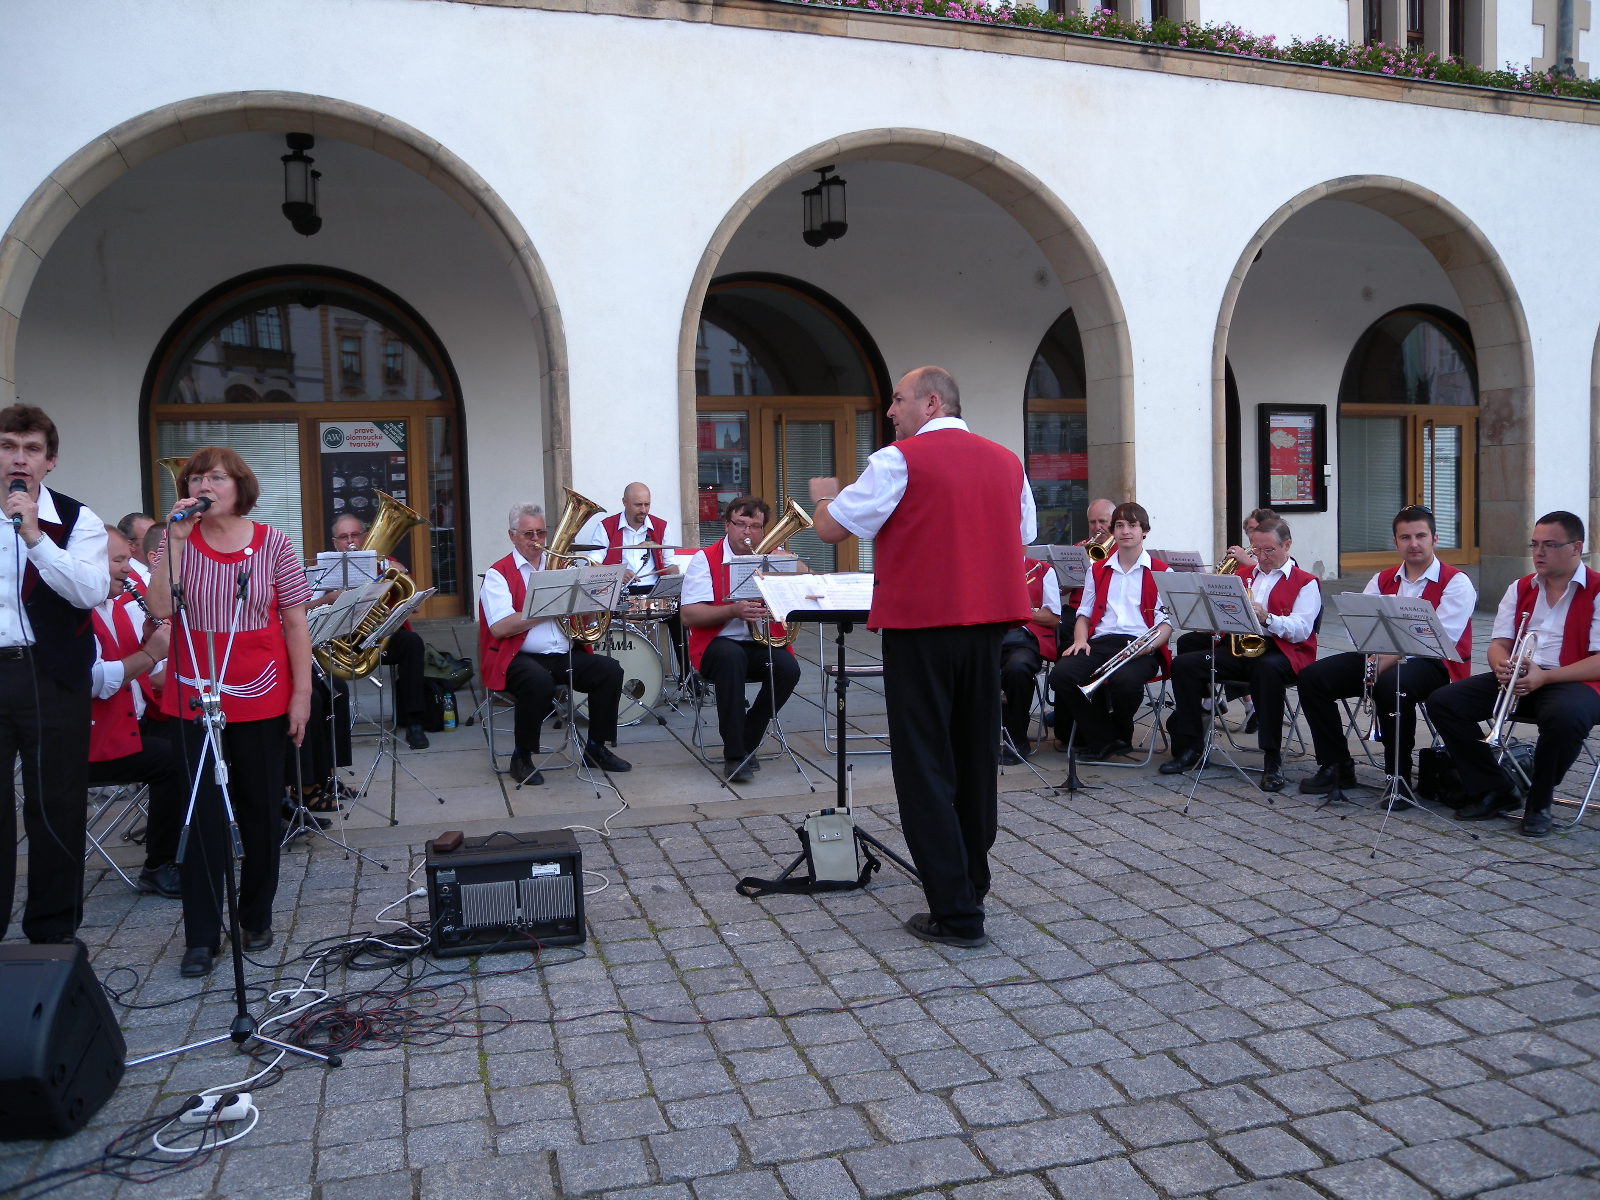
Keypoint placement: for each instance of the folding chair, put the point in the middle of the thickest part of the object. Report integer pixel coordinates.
(853, 673)
(130, 802)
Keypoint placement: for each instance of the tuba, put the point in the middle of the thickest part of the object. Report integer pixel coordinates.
(342, 656)
(1097, 548)
(790, 522)
(1247, 645)
(586, 628)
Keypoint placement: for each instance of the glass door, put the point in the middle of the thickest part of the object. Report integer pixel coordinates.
(804, 448)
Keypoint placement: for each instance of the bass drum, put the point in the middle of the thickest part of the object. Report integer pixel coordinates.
(642, 676)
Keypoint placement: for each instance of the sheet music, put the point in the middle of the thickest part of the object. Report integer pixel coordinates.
(1187, 561)
(397, 617)
(572, 590)
(342, 569)
(742, 570)
(1406, 625)
(1212, 603)
(340, 618)
(786, 595)
(1071, 563)
(667, 586)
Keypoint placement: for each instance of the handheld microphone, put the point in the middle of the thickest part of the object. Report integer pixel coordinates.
(17, 485)
(200, 506)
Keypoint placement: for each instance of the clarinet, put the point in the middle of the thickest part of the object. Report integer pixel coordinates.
(130, 589)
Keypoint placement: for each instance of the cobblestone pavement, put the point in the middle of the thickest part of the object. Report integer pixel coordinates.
(1246, 1001)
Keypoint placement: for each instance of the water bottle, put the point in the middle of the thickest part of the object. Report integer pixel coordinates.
(449, 710)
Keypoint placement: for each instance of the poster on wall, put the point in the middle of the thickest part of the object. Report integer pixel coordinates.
(358, 460)
(1291, 454)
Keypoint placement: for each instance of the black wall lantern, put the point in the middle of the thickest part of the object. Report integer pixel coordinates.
(824, 209)
(300, 186)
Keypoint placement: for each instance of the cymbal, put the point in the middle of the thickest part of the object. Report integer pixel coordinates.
(635, 546)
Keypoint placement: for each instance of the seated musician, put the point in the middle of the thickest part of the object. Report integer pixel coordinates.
(1119, 605)
(128, 741)
(529, 659)
(721, 647)
(1287, 601)
(1559, 692)
(635, 526)
(134, 526)
(1342, 676)
(1240, 555)
(1022, 651)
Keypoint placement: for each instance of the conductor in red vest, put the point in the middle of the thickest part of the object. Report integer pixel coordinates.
(941, 485)
(528, 658)
(721, 647)
(1325, 682)
(1288, 602)
(1560, 691)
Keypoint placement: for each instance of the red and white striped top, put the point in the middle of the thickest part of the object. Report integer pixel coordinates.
(210, 580)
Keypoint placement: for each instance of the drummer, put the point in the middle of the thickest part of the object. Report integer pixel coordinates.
(637, 540)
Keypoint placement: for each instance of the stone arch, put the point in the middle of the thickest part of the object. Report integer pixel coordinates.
(1093, 298)
(98, 165)
(1500, 338)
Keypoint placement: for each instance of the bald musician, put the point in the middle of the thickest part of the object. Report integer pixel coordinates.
(625, 535)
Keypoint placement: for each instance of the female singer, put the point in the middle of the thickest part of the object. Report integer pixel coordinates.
(216, 555)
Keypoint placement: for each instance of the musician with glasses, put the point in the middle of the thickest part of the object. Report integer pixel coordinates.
(1559, 692)
(1119, 605)
(1344, 676)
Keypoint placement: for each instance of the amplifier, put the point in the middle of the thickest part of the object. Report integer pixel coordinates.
(504, 892)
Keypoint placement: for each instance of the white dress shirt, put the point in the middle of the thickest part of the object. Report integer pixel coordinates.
(495, 597)
(1549, 621)
(866, 504)
(1297, 624)
(78, 573)
(1455, 605)
(139, 569)
(1052, 592)
(1124, 591)
(697, 589)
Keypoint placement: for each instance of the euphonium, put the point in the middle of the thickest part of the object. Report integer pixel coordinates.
(342, 656)
(792, 520)
(1097, 548)
(1244, 645)
(586, 628)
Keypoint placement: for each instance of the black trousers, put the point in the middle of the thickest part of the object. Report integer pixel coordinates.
(1328, 680)
(327, 741)
(1268, 678)
(255, 757)
(942, 689)
(727, 665)
(1019, 668)
(157, 764)
(1108, 714)
(533, 678)
(1563, 712)
(404, 652)
(52, 738)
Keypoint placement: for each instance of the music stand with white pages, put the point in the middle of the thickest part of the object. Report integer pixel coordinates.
(343, 569)
(1071, 563)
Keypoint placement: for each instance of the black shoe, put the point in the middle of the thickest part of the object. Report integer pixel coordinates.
(736, 770)
(1272, 779)
(923, 925)
(416, 737)
(254, 942)
(1180, 763)
(1486, 808)
(1342, 775)
(523, 770)
(1009, 757)
(197, 961)
(160, 881)
(1536, 824)
(596, 754)
(1250, 722)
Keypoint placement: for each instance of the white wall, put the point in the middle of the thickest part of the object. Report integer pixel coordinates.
(1287, 19)
(1519, 40)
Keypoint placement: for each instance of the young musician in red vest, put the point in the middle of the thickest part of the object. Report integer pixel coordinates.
(940, 485)
(1119, 604)
(128, 741)
(52, 555)
(1022, 651)
(528, 658)
(1287, 600)
(619, 533)
(1341, 676)
(720, 645)
(1560, 691)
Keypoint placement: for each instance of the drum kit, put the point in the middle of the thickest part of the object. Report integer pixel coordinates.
(639, 640)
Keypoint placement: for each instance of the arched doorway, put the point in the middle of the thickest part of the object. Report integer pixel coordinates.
(333, 390)
(788, 386)
(1408, 434)
(1056, 435)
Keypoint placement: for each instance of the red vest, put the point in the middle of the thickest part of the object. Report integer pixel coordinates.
(1432, 591)
(1148, 599)
(1575, 633)
(1034, 572)
(961, 490)
(1280, 603)
(701, 637)
(495, 654)
(612, 525)
(113, 727)
(152, 693)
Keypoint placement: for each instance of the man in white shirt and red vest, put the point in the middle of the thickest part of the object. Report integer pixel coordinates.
(1342, 676)
(1287, 600)
(529, 658)
(720, 645)
(1120, 604)
(1022, 651)
(127, 743)
(625, 536)
(941, 485)
(46, 651)
(1560, 691)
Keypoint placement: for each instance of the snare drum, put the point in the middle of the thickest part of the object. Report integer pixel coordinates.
(642, 676)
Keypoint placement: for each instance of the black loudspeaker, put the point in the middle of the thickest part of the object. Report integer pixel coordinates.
(504, 892)
(60, 1048)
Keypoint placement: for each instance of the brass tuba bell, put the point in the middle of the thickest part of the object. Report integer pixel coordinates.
(585, 628)
(342, 656)
(791, 521)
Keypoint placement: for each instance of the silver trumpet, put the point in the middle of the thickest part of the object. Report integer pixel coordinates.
(1369, 680)
(1505, 704)
(1139, 645)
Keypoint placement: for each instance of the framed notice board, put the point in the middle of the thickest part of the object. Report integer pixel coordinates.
(1291, 454)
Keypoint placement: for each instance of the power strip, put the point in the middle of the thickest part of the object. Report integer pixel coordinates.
(230, 1106)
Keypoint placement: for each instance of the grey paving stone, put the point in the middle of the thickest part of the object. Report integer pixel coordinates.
(1145, 1078)
(507, 1177)
(934, 1069)
(1496, 1103)
(1566, 1187)
(785, 1096)
(1221, 1062)
(823, 1179)
(1186, 1169)
(1076, 1089)
(691, 1153)
(447, 1143)
(1004, 1102)
(816, 1134)
(368, 1187)
(1269, 1189)
(581, 1170)
(1045, 1144)
(1267, 1152)
(361, 1158)
(1417, 1119)
(437, 1106)
(1154, 1123)
(1303, 1092)
(910, 1118)
(1366, 1179)
(1108, 1179)
(1583, 1129)
(871, 1085)
(1564, 1089)
(1376, 1079)
(887, 1170)
(1225, 1109)
(1453, 1169)
(743, 1185)
(1345, 1136)
(1294, 1049)
(1534, 1152)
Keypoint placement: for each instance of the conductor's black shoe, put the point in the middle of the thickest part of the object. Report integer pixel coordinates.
(416, 737)
(736, 770)
(1536, 824)
(1180, 764)
(197, 961)
(160, 881)
(1486, 808)
(257, 941)
(523, 770)
(596, 754)
(1343, 774)
(923, 925)
(1272, 779)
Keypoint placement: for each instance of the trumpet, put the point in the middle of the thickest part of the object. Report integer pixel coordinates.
(1099, 548)
(1140, 645)
(1505, 704)
(1369, 680)
(1244, 645)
